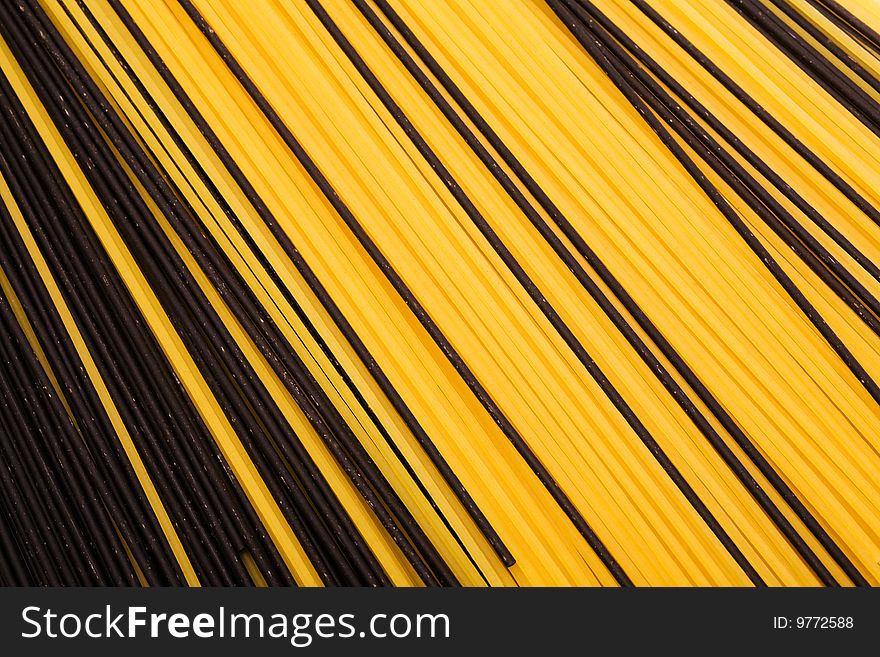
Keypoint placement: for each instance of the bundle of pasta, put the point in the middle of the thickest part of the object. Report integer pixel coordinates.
(398, 292)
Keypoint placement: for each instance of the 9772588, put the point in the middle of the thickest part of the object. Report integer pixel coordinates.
(813, 623)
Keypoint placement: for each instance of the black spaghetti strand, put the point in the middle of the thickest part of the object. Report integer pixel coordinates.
(14, 569)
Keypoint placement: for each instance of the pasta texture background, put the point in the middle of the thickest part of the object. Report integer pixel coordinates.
(440, 292)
